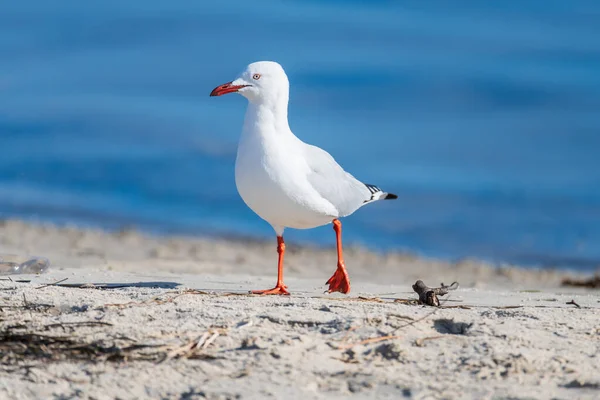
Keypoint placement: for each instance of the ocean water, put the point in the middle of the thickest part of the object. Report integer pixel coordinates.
(484, 118)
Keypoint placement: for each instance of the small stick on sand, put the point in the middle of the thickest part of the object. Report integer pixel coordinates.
(421, 342)
(462, 307)
(210, 340)
(401, 316)
(572, 303)
(188, 350)
(375, 299)
(51, 284)
(367, 341)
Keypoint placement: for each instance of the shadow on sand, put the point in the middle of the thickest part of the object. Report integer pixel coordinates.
(153, 285)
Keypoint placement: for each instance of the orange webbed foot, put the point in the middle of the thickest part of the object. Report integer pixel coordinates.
(277, 290)
(339, 281)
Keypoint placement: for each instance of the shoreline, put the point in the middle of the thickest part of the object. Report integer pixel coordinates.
(573, 264)
(72, 246)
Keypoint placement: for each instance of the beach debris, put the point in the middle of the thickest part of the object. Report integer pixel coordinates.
(193, 347)
(421, 341)
(462, 307)
(429, 295)
(508, 307)
(368, 341)
(20, 343)
(590, 283)
(573, 303)
(16, 346)
(398, 316)
(408, 302)
(72, 325)
(12, 265)
(373, 299)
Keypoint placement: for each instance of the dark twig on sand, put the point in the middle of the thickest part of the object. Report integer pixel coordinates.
(572, 303)
(77, 324)
(462, 307)
(429, 295)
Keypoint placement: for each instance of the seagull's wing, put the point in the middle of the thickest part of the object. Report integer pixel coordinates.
(337, 186)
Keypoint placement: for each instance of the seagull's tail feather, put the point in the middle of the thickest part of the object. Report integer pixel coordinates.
(378, 194)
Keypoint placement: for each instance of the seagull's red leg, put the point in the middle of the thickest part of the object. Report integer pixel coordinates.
(280, 288)
(339, 282)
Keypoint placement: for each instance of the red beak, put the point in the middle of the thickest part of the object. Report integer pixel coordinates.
(226, 88)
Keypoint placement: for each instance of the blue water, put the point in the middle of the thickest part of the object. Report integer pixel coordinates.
(484, 117)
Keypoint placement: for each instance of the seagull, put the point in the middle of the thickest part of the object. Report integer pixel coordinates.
(286, 182)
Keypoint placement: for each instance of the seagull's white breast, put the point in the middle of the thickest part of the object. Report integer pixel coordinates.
(271, 177)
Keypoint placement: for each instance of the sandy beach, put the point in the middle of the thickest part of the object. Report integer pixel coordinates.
(130, 316)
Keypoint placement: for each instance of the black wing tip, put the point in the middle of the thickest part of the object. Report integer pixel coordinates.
(374, 189)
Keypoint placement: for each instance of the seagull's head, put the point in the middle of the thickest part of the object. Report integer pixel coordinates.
(261, 82)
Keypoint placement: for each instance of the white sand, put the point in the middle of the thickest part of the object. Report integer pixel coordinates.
(308, 345)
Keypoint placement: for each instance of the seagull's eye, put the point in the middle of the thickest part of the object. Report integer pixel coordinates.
(256, 77)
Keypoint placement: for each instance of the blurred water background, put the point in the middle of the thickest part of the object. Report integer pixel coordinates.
(484, 117)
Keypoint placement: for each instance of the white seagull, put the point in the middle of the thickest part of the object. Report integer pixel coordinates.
(289, 183)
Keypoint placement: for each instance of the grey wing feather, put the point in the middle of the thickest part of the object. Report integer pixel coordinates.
(329, 179)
